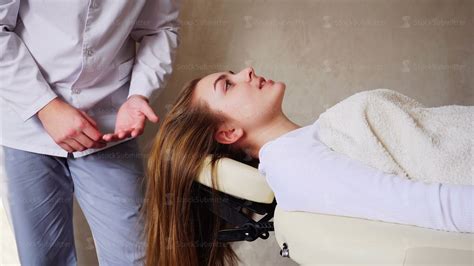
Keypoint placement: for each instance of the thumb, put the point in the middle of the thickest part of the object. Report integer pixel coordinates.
(89, 118)
(149, 113)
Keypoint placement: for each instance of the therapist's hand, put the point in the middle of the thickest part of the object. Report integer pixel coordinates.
(131, 118)
(70, 128)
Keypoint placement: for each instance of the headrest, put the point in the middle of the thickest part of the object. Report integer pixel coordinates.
(237, 179)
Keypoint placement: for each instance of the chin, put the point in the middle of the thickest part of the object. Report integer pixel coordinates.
(280, 86)
(280, 83)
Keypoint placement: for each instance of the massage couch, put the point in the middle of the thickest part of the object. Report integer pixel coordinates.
(318, 239)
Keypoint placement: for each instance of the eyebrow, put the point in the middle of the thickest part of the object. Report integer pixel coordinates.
(221, 77)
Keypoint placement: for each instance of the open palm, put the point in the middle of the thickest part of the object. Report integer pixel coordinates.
(131, 119)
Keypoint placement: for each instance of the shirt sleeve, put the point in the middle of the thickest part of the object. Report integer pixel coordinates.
(157, 31)
(318, 179)
(22, 85)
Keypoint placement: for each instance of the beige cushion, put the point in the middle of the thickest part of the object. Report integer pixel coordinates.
(317, 239)
(237, 179)
(314, 239)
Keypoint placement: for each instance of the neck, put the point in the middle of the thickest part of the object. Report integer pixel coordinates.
(271, 131)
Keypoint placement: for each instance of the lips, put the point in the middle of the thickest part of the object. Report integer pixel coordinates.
(266, 83)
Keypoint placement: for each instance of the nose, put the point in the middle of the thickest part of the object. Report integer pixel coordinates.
(249, 72)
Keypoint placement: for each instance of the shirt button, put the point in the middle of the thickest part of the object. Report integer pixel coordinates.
(76, 90)
(89, 52)
(94, 4)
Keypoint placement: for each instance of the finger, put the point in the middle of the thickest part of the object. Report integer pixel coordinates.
(87, 142)
(110, 137)
(66, 147)
(107, 137)
(137, 131)
(121, 134)
(89, 118)
(92, 132)
(76, 146)
(113, 137)
(84, 140)
(149, 113)
(99, 145)
(124, 134)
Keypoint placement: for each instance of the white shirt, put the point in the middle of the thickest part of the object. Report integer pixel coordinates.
(306, 175)
(84, 53)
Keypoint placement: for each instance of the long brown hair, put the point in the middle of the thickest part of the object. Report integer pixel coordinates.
(172, 234)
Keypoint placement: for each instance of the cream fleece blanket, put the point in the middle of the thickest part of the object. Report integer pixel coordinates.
(396, 134)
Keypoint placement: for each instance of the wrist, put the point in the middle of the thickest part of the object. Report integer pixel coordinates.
(49, 106)
(138, 96)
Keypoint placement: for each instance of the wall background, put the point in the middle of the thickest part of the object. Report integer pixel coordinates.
(325, 51)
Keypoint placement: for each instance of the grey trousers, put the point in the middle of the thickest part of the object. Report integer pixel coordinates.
(109, 188)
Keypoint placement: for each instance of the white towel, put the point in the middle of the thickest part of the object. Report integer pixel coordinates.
(396, 134)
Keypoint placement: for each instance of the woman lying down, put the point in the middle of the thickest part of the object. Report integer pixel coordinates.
(224, 114)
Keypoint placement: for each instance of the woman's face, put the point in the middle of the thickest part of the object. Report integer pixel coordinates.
(248, 100)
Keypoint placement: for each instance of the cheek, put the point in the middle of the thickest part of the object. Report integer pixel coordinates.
(250, 108)
(244, 111)
(255, 105)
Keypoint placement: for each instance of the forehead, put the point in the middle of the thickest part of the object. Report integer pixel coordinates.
(205, 86)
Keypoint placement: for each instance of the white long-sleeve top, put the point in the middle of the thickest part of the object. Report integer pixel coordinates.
(306, 175)
(85, 53)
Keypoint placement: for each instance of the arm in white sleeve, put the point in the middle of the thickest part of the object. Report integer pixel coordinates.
(157, 31)
(333, 183)
(22, 85)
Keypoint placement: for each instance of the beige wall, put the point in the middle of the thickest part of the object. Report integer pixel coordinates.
(324, 50)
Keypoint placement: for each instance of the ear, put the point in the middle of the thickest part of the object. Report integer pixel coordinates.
(228, 135)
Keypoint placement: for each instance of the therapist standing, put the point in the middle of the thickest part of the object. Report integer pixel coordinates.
(74, 95)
